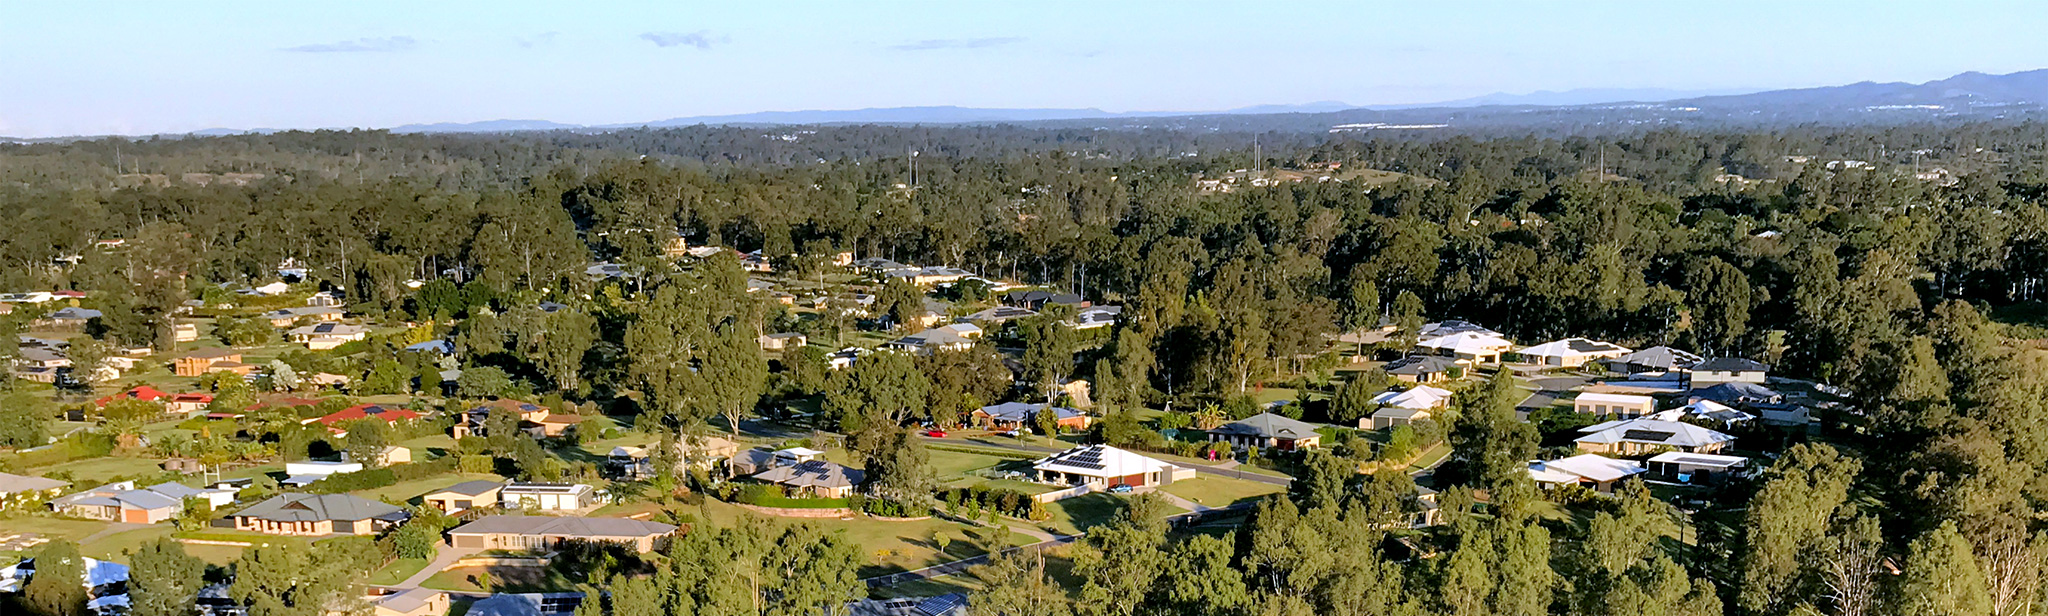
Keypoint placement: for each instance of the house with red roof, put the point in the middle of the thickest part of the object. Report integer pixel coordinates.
(144, 393)
(365, 411)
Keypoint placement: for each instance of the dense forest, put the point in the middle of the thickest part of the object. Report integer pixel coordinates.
(1917, 293)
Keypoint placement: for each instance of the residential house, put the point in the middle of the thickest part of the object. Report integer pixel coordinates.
(1400, 408)
(1015, 415)
(31, 297)
(1629, 437)
(23, 493)
(215, 497)
(443, 347)
(473, 422)
(1571, 352)
(1598, 472)
(1697, 468)
(187, 404)
(628, 463)
(1449, 327)
(1097, 316)
(1102, 467)
(299, 474)
(1728, 370)
(547, 496)
(557, 424)
(328, 335)
(119, 502)
(410, 602)
(1654, 359)
(318, 514)
(1466, 347)
(464, 496)
(324, 299)
(275, 288)
(844, 358)
(1624, 406)
(1268, 430)
(954, 337)
(105, 582)
(532, 603)
(71, 317)
(184, 332)
(40, 357)
(756, 460)
(287, 317)
(602, 270)
(999, 315)
(513, 532)
(814, 478)
(929, 276)
(199, 362)
(1036, 299)
(1739, 394)
(783, 341)
(1705, 410)
(335, 420)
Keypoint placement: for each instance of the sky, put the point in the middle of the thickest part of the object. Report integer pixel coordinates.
(112, 67)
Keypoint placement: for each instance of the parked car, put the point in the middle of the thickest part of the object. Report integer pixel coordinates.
(935, 433)
(1011, 433)
(1120, 489)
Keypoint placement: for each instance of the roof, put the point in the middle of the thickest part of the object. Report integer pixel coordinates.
(1573, 346)
(1600, 398)
(1700, 459)
(1268, 425)
(471, 488)
(1466, 342)
(1598, 468)
(1705, 409)
(564, 526)
(1660, 357)
(942, 605)
(367, 411)
(525, 487)
(329, 328)
(1024, 411)
(814, 473)
(1730, 364)
(1421, 397)
(1035, 296)
(316, 507)
(558, 418)
(1395, 412)
(1447, 327)
(1099, 461)
(957, 333)
(1737, 392)
(213, 353)
(138, 392)
(1652, 432)
(75, 314)
(11, 483)
(442, 346)
(1001, 313)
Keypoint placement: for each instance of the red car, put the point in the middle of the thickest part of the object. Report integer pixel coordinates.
(935, 433)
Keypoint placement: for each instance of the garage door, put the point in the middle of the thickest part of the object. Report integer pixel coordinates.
(468, 541)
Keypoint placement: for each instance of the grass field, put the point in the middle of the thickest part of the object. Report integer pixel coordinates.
(96, 471)
(1080, 513)
(411, 491)
(1219, 491)
(397, 571)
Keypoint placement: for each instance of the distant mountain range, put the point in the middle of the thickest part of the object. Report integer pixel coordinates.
(1966, 96)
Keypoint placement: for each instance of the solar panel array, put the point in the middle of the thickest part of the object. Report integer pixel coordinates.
(1648, 435)
(1090, 458)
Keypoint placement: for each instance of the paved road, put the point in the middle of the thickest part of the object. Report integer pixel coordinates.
(442, 559)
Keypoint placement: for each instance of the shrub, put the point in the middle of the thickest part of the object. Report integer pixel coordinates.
(349, 482)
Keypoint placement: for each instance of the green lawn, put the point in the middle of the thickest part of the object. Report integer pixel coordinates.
(95, 471)
(397, 571)
(1219, 491)
(52, 528)
(1013, 485)
(1080, 513)
(411, 491)
(503, 579)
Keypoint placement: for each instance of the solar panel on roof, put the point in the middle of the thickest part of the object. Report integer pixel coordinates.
(1648, 435)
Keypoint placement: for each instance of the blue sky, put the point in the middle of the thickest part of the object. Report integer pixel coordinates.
(140, 67)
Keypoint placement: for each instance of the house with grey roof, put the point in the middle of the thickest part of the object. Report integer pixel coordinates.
(24, 492)
(1268, 430)
(1654, 359)
(318, 514)
(120, 502)
(815, 478)
(516, 532)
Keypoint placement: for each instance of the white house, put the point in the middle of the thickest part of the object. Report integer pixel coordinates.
(1399, 408)
(1474, 347)
(1591, 470)
(1728, 370)
(1697, 467)
(1571, 352)
(323, 336)
(1629, 437)
(1624, 406)
(547, 496)
(1101, 467)
(304, 473)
